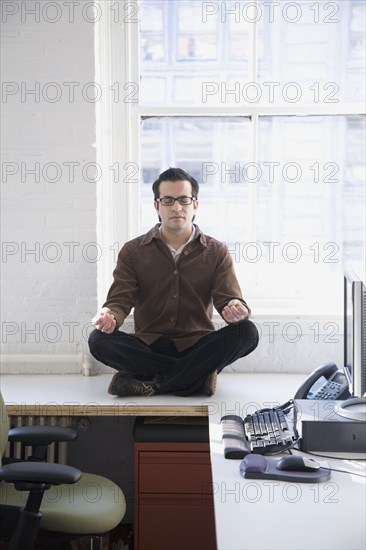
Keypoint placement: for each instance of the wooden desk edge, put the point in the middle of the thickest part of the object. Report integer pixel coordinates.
(93, 409)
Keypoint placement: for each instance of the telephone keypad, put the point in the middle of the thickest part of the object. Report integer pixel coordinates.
(330, 390)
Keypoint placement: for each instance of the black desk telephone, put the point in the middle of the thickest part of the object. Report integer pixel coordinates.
(326, 382)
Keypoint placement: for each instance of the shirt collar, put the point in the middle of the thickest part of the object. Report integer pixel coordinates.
(154, 233)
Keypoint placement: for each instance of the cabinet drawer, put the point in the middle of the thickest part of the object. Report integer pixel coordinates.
(174, 472)
(176, 526)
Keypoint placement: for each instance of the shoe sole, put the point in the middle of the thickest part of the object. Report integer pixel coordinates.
(213, 382)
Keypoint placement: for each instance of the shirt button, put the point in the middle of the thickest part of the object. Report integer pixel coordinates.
(172, 319)
(186, 252)
(175, 295)
(175, 272)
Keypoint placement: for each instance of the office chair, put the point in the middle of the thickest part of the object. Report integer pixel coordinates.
(46, 504)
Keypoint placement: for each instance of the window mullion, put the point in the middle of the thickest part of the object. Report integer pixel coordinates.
(254, 149)
(131, 119)
(117, 140)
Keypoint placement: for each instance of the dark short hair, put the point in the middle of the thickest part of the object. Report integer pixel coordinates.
(175, 174)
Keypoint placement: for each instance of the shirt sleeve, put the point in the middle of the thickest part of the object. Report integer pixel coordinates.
(121, 296)
(225, 285)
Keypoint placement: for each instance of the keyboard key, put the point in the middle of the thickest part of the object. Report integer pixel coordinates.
(268, 432)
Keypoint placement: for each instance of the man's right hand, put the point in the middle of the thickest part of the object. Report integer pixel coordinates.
(104, 320)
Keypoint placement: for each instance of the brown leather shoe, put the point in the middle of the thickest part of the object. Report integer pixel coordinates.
(124, 385)
(209, 386)
(113, 382)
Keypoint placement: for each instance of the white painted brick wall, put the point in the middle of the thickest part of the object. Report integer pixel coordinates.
(49, 292)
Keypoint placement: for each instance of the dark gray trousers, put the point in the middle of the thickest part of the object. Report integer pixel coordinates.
(180, 373)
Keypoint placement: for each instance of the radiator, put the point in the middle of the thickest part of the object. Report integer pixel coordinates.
(56, 453)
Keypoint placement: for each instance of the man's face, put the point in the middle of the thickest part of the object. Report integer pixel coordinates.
(177, 216)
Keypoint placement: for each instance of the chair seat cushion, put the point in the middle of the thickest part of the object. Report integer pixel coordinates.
(92, 505)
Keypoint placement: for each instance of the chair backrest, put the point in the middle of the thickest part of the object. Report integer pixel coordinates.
(4, 427)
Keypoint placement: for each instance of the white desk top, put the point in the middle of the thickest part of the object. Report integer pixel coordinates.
(77, 395)
(250, 514)
(254, 514)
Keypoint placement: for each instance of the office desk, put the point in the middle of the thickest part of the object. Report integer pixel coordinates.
(249, 514)
(255, 514)
(77, 395)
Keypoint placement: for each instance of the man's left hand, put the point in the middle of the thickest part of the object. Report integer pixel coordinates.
(234, 312)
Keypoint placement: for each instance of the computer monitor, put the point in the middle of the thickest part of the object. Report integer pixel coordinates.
(355, 334)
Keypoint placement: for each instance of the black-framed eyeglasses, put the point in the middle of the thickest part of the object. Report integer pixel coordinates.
(169, 201)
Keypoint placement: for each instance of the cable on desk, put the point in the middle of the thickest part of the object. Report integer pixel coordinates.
(336, 458)
(328, 456)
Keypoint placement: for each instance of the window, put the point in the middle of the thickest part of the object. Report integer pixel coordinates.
(264, 103)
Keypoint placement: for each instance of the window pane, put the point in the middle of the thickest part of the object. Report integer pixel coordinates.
(152, 32)
(354, 195)
(197, 55)
(312, 52)
(311, 205)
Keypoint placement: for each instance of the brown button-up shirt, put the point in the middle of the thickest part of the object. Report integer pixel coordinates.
(172, 299)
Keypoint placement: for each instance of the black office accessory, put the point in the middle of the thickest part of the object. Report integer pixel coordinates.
(324, 428)
(298, 463)
(266, 431)
(178, 429)
(233, 437)
(325, 382)
(355, 333)
(266, 467)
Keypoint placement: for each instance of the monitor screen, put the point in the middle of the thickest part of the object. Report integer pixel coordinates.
(355, 334)
(348, 327)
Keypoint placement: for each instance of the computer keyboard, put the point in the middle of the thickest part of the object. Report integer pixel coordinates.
(266, 432)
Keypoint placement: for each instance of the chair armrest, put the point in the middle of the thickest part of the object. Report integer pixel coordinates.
(41, 435)
(39, 472)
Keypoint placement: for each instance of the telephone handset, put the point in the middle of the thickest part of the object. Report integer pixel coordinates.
(326, 382)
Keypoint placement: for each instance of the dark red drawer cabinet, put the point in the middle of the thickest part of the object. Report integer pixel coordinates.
(173, 497)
